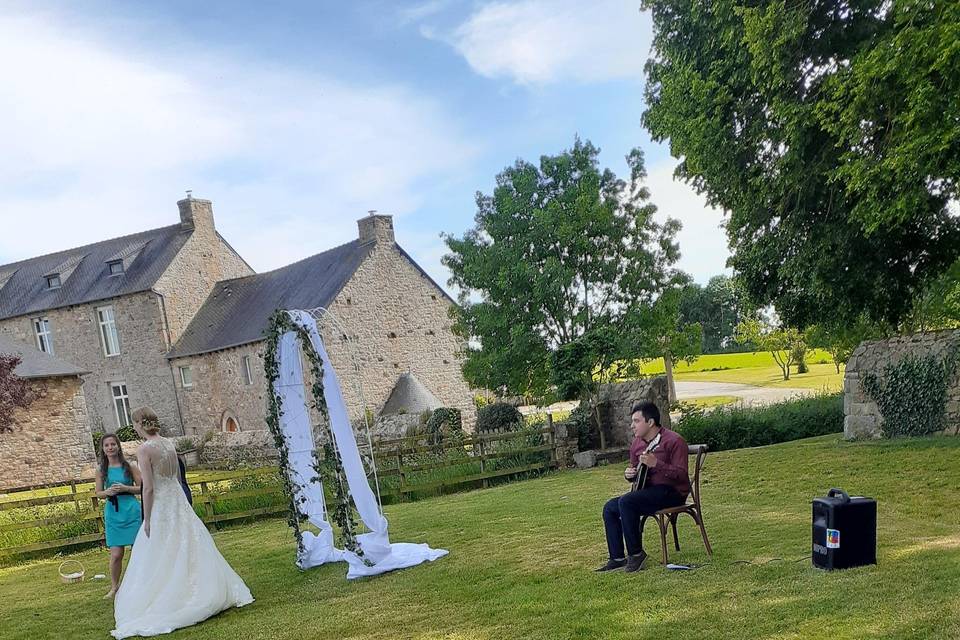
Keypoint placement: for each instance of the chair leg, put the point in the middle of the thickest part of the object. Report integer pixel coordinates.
(673, 523)
(662, 522)
(703, 532)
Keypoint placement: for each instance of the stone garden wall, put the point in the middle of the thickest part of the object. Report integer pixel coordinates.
(862, 418)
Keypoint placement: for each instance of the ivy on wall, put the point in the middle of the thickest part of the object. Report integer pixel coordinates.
(911, 393)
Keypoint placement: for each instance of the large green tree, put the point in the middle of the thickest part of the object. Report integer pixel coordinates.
(716, 308)
(563, 266)
(830, 132)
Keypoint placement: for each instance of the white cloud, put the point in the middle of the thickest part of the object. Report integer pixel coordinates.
(703, 243)
(100, 140)
(423, 10)
(544, 41)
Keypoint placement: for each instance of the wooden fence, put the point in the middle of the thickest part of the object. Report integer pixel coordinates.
(70, 513)
(78, 506)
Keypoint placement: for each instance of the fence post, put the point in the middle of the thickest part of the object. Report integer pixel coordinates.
(208, 513)
(552, 440)
(400, 472)
(483, 463)
(73, 492)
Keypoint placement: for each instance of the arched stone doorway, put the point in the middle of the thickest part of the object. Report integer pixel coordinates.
(229, 422)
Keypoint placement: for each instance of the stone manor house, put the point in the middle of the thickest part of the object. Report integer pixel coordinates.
(174, 317)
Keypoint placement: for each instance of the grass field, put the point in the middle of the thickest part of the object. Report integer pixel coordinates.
(708, 402)
(521, 557)
(756, 368)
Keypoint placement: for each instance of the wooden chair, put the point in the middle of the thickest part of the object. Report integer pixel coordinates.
(668, 517)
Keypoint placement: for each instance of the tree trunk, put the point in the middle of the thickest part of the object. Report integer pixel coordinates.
(671, 386)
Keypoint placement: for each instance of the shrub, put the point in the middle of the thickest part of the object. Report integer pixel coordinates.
(185, 444)
(127, 434)
(498, 415)
(912, 394)
(736, 427)
(581, 422)
(97, 435)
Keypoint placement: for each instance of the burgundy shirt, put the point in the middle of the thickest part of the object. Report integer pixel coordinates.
(671, 458)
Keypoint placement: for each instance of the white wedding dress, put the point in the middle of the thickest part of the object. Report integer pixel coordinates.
(176, 577)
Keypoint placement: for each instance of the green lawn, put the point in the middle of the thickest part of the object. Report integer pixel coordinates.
(822, 377)
(712, 401)
(723, 361)
(756, 368)
(521, 557)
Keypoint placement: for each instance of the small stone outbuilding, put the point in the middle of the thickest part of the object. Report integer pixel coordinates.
(51, 439)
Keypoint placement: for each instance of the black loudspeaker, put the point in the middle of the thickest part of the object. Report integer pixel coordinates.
(844, 531)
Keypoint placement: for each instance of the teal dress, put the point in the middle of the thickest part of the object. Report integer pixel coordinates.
(121, 518)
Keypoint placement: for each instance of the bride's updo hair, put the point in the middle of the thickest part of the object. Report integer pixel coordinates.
(147, 419)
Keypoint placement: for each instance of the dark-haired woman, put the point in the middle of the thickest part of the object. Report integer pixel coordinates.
(117, 483)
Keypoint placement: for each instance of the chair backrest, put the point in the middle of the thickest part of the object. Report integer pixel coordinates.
(701, 452)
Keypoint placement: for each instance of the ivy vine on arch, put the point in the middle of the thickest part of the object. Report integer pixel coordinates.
(328, 467)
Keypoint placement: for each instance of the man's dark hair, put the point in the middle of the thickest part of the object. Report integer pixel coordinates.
(649, 411)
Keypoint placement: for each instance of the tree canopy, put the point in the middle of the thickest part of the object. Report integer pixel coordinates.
(830, 132)
(562, 266)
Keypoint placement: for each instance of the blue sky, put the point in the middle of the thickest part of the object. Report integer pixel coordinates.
(296, 118)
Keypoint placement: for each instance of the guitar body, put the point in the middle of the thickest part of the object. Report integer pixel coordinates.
(640, 481)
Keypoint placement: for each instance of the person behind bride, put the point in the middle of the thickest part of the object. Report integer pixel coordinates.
(176, 577)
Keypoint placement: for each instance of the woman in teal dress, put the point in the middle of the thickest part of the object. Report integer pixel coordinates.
(118, 482)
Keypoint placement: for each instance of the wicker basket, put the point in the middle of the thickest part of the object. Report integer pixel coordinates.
(73, 576)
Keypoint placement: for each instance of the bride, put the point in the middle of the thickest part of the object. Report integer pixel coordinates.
(176, 577)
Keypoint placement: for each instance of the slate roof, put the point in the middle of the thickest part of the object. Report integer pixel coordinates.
(238, 310)
(37, 364)
(84, 274)
(409, 395)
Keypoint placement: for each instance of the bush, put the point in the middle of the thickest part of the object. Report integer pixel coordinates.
(737, 427)
(581, 422)
(498, 415)
(127, 434)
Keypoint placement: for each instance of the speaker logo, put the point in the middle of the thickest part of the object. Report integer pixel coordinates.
(833, 539)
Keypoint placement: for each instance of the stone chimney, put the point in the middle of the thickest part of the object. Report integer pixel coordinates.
(376, 228)
(196, 214)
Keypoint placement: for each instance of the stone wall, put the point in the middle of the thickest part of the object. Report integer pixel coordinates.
(204, 260)
(51, 440)
(219, 390)
(141, 364)
(862, 417)
(400, 321)
(616, 401)
(232, 450)
(397, 321)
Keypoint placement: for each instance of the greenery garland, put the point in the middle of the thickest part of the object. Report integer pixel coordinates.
(329, 468)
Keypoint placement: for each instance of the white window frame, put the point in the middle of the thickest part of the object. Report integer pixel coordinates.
(44, 334)
(109, 338)
(246, 374)
(186, 377)
(121, 401)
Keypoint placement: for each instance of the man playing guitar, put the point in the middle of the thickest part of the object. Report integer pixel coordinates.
(658, 473)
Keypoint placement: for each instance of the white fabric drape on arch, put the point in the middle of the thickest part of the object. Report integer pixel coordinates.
(298, 434)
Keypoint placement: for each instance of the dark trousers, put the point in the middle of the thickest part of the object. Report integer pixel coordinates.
(621, 516)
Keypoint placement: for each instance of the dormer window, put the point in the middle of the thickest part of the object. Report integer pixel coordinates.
(53, 281)
(116, 267)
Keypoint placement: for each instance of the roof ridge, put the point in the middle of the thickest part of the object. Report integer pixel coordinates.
(90, 246)
(286, 266)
